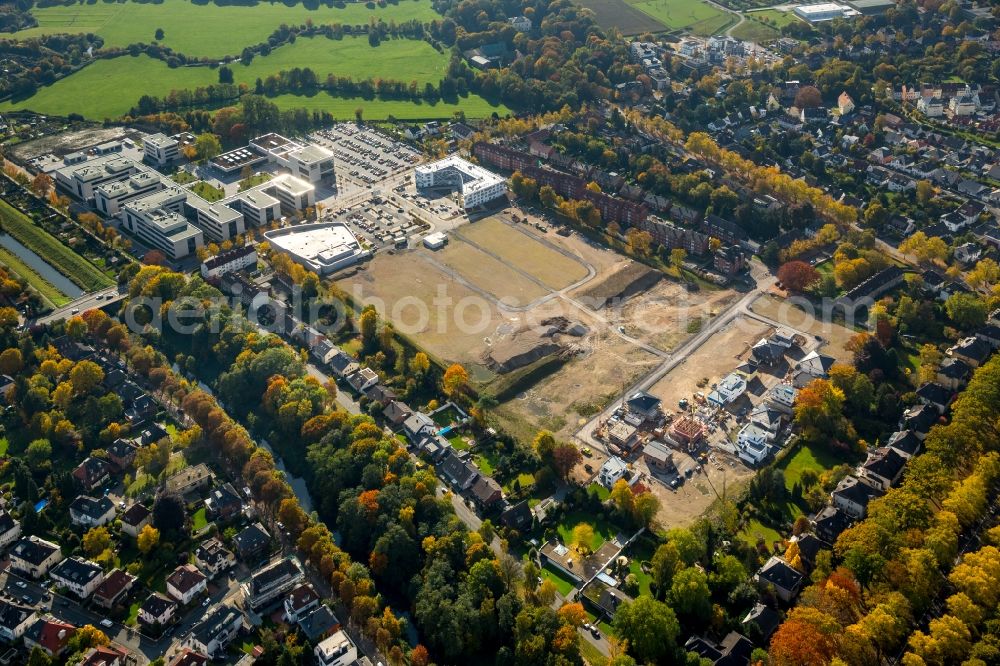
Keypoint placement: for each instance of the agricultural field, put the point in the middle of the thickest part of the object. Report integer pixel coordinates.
(523, 251)
(638, 16)
(64, 260)
(207, 29)
(695, 16)
(109, 88)
(775, 17)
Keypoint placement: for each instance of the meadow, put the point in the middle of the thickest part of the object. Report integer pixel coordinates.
(80, 271)
(205, 29)
(109, 88)
(633, 17)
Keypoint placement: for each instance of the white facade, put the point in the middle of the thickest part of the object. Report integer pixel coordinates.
(322, 248)
(337, 650)
(11, 530)
(217, 220)
(611, 471)
(782, 397)
(78, 575)
(241, 258)
(825, 11)
(215, 631)
(158, 222)
(520, 23)
(186, 583)
(730, 388)
(160, 149)
(33, 556)
(476, 184)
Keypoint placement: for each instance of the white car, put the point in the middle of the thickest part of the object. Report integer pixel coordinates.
(106, 623)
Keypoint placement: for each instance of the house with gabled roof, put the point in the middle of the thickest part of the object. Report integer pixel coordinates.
(779, 576)
(50, 635)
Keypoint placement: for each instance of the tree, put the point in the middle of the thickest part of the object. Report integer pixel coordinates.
(621, 496)
(677, 257)
(564, 458)
(85, 376)
(925, 192)
(368, 323)
(455, 380)
(544, 444)
(168, 513)
(690, 596)
(207, 146)
(797, 276)
(11, 361)
(639, 242)
(985, 274)
(651, 629)
(41, 184)
(149, 538)
(96, 541)
(38, 657)
(225, 74)
(359, 113)
(666, 562)
(582, 538)
(572, 614)
(966, 310)
(154, 258)
(801, 640)
(39, 452)
(158, 35)
(808, 97)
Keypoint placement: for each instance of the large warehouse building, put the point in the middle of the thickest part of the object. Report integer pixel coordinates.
(825, 11)
(322, 248)
(476, 184)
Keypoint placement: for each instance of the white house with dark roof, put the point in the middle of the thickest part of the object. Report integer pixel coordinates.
(33, 556)
(88, 512)
(10, 529)
(79, 576)
(781, 577)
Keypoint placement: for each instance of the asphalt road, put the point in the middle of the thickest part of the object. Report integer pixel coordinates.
(82, 304)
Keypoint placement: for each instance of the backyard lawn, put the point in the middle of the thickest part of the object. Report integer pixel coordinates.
(756, 529)
(815, 458)
(562, 583)
(200, 520)
(603, 530)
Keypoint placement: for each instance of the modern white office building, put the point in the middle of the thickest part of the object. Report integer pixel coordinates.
(83, 178)
(160, 149)
(310, 162)
(322, 248)
(157, 221)
(217, 220)
(111, 196)
(476, 185)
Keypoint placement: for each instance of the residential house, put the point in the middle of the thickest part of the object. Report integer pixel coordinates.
(658, 457)
(934, 395)
(809, 546)
(816, 365)
(920, 419)
(752, 444)
(614, 468)
(212, 557)
(33, 556)
(10, 529)
(224, 503)
(883, 468)
(623, 435)
(972, 350)
(687, 431)
(953, 373)
(486, 492)
(381, 394)
(134, 519)
(79, 576)
(829, 522)
(103, 655)
(88, 512)
(92, 473)
(990, 334)
(157, 610)
(517, 517)
(396, 413)
(845, 104)
(458, 472)
(641, 408)
(336, 650)
(363, 379)
(185, 583)
(121, 453)
(190, 479)
(766, 619)
(734, 649)
(779, 576)
(252, 543)
(213, 634)
(15, 620)
(189, 657)
(270, 582)
(418, 426)
(342, 364)
(300, 601)
(318, 623)
(729, 389)
(905, 443)
(767, 353)
(49, 635)
(782, 396)
(768, 418)
(114, 589)
(852, 496)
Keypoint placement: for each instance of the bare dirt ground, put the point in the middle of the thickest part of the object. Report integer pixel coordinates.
(525, 251)
(834, 335)
(561, 401)
(668, 313)
(725, 477)
(489, 274)
(67, 142)
(713, 360)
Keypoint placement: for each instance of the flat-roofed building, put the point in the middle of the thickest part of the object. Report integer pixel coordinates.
(824, 11)
(476, 184)
(258, 207)
(311, 163)
(293, 193)
(234, 161)
(111, 196)
(82, 179)
(160, 149)
(156, 222)
(322, 248)
(217, 220)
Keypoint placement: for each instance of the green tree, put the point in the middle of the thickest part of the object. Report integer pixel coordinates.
(39, 453)
(690, 596)
(651, 629)
(966, 310)
(207, 146)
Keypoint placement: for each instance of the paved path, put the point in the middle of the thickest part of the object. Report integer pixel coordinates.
(86, 302)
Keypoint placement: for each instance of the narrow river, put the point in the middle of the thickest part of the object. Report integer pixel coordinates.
(42, 267)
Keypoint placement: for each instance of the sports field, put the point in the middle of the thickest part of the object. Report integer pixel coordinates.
(633, 17)
(524, 252)
(109, 88)
(207, 29)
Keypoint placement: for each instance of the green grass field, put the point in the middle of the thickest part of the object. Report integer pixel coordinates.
(208, 192)
(109, 88)
(774, 17)
(698, 17)
(83, 273)
(755, 529)
(562, 583)
(807, 457)
(603, 530)
(209, 29)
(48, 291)
(754, 31)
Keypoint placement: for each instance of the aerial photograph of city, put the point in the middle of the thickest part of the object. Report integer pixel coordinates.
(500, 332)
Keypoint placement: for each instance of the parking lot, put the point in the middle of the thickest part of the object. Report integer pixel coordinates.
(366, 155)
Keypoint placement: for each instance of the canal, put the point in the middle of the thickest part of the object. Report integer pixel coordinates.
(40, 266)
